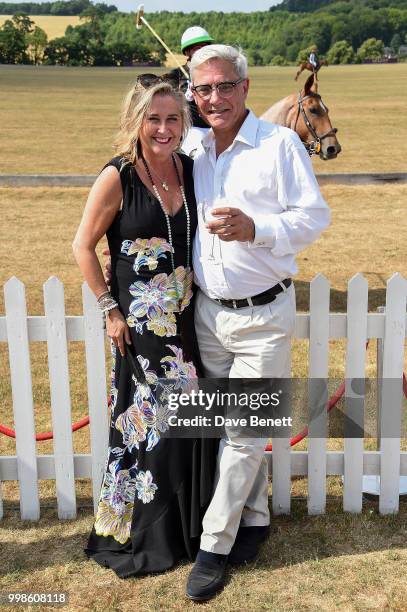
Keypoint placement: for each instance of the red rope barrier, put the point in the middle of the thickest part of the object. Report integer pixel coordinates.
(304, 433)
(48, 435)
(334, 400)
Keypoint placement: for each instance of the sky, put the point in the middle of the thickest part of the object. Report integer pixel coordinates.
(187, 6)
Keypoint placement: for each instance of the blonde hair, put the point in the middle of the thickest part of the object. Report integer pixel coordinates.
(134, 109)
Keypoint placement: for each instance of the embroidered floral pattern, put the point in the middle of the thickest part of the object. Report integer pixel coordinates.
(145, 486)
(138, 422)
(116, 503)
(184, 278)
(163, 325)
(147, 251)
(155, 302)
(143, 421)
(175, 367)
(151, 378)
(162, 415)
(135, 421)
(151, 298)
(148, 415)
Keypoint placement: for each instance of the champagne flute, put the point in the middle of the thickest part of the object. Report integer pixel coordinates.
(207, 217)
(207, 208)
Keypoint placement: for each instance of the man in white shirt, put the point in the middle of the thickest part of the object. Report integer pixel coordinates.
(257, 181)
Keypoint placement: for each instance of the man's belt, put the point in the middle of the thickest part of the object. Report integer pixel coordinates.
(258, 300)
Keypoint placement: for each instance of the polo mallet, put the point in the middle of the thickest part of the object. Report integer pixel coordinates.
(140, 19)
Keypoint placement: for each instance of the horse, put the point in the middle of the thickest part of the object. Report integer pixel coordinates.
(306, 114)
(307, 66)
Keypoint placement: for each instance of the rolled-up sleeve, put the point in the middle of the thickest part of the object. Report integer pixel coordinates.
(304, 215)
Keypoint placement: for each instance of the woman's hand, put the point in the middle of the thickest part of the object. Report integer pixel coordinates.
(117, 329)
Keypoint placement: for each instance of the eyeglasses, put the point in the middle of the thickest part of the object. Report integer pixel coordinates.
(148, 79)
(224, 90)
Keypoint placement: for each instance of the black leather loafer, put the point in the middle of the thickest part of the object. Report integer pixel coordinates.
(207, 577)
(247, 544)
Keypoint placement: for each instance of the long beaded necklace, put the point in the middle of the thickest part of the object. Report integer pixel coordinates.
(167, 218)
(163, 183)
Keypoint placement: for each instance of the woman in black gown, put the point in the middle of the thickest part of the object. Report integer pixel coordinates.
(155, 490)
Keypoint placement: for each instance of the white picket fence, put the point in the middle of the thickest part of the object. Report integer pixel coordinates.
(319, 326)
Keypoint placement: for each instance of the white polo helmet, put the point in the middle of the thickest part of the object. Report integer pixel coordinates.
(194, 36)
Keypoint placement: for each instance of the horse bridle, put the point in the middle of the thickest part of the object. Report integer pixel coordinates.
(313, 147)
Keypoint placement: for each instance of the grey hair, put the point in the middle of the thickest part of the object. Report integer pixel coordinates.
(224, 52)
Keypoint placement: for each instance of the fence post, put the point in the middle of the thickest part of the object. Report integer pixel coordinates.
(318, 393)
(371, 483)
(23, 408)
(97, 392)
(391, 394)
(379, 380)
(355, 393)
(60, 397)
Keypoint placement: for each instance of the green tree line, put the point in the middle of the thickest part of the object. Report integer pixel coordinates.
(68, 7)
(344, 31)
(310, 6)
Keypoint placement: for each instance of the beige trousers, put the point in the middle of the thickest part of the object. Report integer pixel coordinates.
(251, 342)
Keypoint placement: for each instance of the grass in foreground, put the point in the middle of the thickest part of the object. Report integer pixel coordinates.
(332, 562)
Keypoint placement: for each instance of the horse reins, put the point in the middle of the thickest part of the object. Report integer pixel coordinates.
(313, 147)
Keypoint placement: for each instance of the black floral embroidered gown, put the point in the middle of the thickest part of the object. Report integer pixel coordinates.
(155, 490)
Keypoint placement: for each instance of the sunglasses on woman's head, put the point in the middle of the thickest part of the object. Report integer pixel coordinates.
(149, 80)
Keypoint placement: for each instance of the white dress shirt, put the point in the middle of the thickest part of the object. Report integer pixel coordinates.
(267, 173)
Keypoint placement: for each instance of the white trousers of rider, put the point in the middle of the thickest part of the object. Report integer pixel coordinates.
(250, 342)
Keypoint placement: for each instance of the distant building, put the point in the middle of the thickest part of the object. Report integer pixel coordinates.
(389, 57)
(388, 53)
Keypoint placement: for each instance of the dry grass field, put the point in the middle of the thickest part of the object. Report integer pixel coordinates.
(53, 25)
(312, 564)
(61, 121)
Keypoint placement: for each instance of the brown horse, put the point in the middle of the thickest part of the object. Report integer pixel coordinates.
(306, 114)
(307, 66)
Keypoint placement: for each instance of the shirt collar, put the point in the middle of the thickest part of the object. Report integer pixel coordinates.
(247, 133)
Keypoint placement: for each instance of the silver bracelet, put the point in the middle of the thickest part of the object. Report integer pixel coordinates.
(103, 295)
(107, 309)
(111, 306)
(107, 302)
